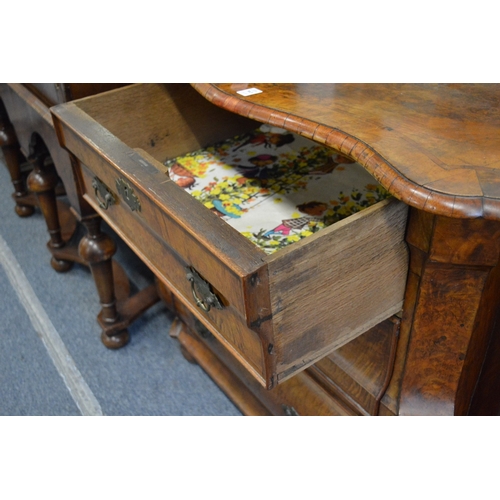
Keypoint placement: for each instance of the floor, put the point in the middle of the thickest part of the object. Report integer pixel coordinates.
(52, 361)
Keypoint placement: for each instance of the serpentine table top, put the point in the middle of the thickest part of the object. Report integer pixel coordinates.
(436, 147)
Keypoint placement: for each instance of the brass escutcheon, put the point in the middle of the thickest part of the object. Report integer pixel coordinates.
(127, 193)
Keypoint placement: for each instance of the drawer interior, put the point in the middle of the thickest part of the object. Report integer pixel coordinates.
(274, 187)
(165, 120)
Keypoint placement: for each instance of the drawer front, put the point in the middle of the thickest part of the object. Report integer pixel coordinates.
(172, 268)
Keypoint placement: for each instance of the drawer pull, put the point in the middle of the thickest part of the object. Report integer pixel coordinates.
(206, 299)
(127, 193)
(103, 195)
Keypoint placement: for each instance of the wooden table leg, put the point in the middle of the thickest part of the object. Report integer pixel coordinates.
(97, 249)
(43, 180)
(10, 147)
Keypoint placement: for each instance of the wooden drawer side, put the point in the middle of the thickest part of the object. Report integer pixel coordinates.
(348, 279)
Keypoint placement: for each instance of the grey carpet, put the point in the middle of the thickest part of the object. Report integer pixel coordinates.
(147, 377)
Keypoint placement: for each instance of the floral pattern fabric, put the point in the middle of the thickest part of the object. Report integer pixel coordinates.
(275, 187)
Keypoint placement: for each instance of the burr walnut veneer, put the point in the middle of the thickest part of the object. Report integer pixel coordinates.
(390, 311)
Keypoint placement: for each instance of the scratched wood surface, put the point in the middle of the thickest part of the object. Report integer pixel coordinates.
(434, 146)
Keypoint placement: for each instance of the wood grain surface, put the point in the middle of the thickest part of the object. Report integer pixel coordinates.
(433, 146)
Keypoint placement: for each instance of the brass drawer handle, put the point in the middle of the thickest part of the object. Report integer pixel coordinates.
(103, 195)
(208, 298)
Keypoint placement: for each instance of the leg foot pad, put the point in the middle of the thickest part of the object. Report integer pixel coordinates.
(24, 210)
(115, 341)
(61, 266)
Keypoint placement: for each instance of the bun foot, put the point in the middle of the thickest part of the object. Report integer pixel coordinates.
(115, 341)
(24, 210)
(61, 266)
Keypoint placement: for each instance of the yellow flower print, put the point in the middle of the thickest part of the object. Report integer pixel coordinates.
(197, 165)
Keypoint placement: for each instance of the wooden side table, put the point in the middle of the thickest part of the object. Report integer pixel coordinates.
(27, 134)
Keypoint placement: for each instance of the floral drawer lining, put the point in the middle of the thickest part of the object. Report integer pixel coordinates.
(275, 187)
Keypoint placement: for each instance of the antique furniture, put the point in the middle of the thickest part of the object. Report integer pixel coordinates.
(30, 146)
(41, 171)
(338, 323)
(24, 112)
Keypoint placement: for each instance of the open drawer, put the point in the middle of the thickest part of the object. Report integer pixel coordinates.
(276, 312)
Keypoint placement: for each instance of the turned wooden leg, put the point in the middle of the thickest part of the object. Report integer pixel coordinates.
(43, 181)
(97, 249)
(11, 152)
